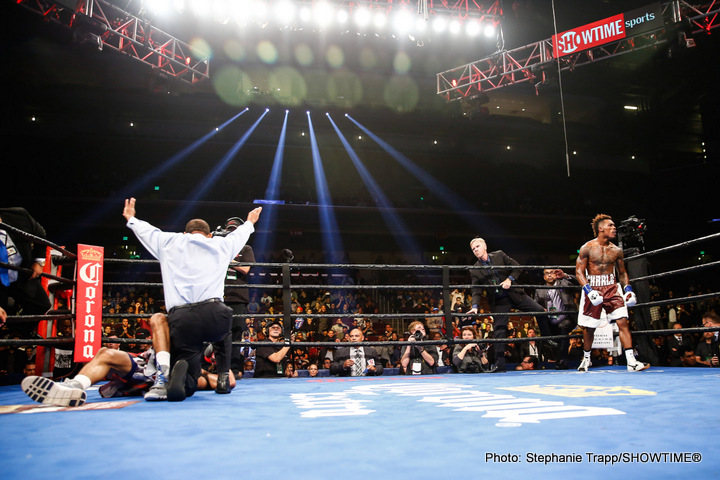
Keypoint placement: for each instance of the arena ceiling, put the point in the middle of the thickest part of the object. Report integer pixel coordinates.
(86, 122)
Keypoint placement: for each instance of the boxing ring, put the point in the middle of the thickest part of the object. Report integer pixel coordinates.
(608, 421)
(657, 423)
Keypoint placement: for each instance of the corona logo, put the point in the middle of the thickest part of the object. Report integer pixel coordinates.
(91, 254)
(89, 273)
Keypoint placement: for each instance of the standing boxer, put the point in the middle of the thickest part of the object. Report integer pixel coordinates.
(595, 269)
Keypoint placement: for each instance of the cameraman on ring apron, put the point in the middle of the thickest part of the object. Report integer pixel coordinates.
(418, 360)
(237, 294)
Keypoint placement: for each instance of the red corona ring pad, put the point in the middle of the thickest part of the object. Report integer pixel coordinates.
(88, 307)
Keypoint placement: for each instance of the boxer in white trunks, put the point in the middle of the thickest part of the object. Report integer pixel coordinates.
(595, 269)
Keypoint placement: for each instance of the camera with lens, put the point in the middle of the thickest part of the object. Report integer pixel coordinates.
(632, 227)
(231, 224)
(418, 335)
(473, 367)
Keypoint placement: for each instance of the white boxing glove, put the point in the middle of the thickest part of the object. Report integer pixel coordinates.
(630, 297)
(593, 295)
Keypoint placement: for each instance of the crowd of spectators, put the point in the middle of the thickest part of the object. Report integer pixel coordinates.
(126, 312)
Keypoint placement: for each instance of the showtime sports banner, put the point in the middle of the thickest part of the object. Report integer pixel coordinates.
(609, 30)
(88, 304)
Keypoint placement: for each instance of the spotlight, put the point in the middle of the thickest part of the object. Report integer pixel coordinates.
(362, 17)
(380, 20)
(489, 31)
(285, 12)
(323, 14)
(305, 14)
(439, 24)
(472, 28)
(402, 21)
(455, 27)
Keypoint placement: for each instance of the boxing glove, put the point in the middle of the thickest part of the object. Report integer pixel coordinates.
(630, 297)
(593, 295)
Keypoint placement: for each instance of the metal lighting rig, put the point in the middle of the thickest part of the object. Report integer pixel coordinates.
(531, 63)
(99, 23)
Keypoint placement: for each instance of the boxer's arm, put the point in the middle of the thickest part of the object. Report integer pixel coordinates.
(581, 265)
(623, 277)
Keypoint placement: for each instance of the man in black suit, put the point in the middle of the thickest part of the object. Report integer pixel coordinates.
(676, 343)
(558, 299)
(533, 348)
(356, 361)
(25, 288)
(502, 296)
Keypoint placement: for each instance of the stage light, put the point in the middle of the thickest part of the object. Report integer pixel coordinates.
(455, 27)
(158, 6)
(402, 21)
(306, 14)
(323, 14)
(439, 24)
(489, 30)
(199, 8)
(342, 16)
(285, 12)
(362, 17)
(179, 6)
(630, 107)
(221, 10)
(472, 28)
(240, 12)
(380, 20)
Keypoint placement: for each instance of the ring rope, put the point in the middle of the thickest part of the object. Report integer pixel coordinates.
(255, 344)
(675, 272)
(674, 247)
(37, 239)
(30, 271)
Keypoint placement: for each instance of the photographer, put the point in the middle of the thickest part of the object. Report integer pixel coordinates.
(471, 357)
(418, 360)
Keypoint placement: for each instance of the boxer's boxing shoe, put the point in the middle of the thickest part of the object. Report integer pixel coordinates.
(45, 391)
(584, 365)
(158, 392)
(176, 385)
(638, 367)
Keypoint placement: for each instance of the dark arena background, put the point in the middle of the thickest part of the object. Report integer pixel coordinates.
(379, 138)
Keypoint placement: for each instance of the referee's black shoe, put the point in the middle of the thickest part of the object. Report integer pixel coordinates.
(176, 385)
(223, 383)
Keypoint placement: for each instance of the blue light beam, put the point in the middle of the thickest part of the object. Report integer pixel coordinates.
(403, 237)
(459, 205)
(332, 241)
(184, 211)
(138, 185)
(266, 237)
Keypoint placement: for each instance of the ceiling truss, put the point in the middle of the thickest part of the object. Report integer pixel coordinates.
(531, 63)
(99, 23)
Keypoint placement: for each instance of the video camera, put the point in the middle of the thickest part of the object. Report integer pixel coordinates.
(231, 224)
(632, 227)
